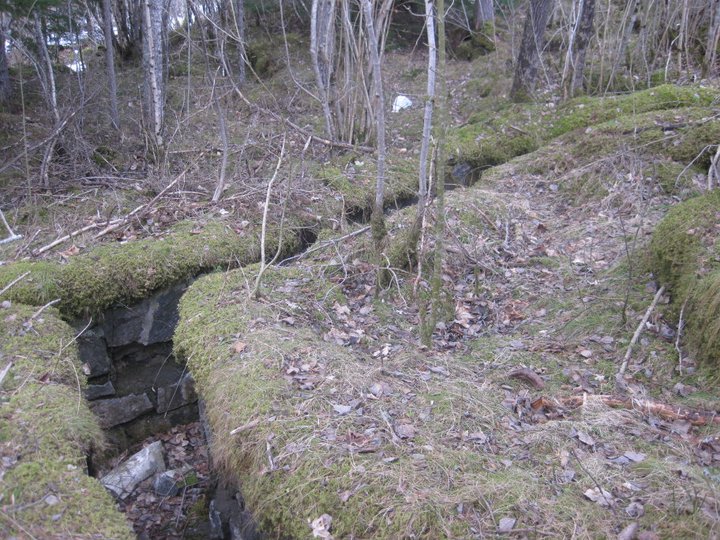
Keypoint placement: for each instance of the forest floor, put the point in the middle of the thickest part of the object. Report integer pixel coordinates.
(545, 281)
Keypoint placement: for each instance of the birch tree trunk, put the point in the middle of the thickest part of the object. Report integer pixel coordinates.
(712, 40)
(529, 56)
(378, 220)
(585, 32)
(153, 68)
(429, 103)
(441, 126)
(623, 39)
(48, 76)
(573, 71)
(239, 16)
(322, 52)
(110, 62)
(5, 84)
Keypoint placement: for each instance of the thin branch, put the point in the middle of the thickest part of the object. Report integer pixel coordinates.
(13, 282)
(681, 324)
(263, 265)
(639, 330)
(43, 308)
(12, 236)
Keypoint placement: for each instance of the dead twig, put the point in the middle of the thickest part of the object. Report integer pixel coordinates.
(681, 324)
(67, 237)
(263, 263)
(43, 308)
(12, 236)
(597, 485)
(4, 372)
(18, 279)
(639, 330)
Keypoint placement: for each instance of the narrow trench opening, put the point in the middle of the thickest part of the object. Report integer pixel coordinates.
(145, 401)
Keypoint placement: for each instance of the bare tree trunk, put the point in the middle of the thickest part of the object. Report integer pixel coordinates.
(5, 83)
(712, 41)
(429, 102)
(153, 67)
(624, 39)
(110, 62)
(585, 32)
(239, 7)
(441, 126)
(49, 89)
(220, 185)
(529, 57)
(378, 220)
(484, 12)
(322, 52)
(577, 7)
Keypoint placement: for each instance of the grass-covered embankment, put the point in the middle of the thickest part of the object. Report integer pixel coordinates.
(46, 432)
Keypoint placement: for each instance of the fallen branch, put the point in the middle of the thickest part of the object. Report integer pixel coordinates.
(681, 324)
(43, 308)
(639, 330)
(324, 244)
(6, 288)
(12, 236)
(644, 406)
(4, 372)
(140, 210)
(303, 131)
(67, 237)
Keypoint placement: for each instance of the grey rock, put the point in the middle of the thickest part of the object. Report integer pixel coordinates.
(116, 411)
(176, 395)
(216, 527)
(97, 391)
(462, 173)
(93, 352)
(151, 321)
(169, 483)
(123, 480)
(242, 527)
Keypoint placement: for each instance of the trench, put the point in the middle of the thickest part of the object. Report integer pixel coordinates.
(143, 396)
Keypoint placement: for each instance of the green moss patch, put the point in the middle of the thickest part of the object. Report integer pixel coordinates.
(311, 427)
(495, 137)
(353, 178)
(110, 274)
(685, 254)
(46, 431)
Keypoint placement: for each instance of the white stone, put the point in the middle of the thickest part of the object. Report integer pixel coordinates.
(124, 478)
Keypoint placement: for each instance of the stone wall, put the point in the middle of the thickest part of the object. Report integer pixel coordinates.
(136, 386)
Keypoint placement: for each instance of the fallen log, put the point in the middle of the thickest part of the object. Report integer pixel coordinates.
(644, 406)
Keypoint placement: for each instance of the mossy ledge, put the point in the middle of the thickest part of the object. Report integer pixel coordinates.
(354, 181)
(685, 255)
(275, 384)
(46, 431)
(494, 137)
(110, 274)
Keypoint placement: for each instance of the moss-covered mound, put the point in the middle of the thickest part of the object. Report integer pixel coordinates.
(494, 137)
(310, 427)
(685, 252)
(110, 274)
(354, 179)
(46, 430)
